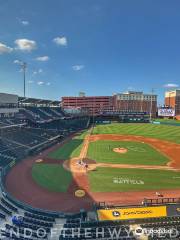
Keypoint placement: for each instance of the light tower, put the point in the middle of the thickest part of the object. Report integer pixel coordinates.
(24, 67)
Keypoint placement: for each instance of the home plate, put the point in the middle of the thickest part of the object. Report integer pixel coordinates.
(39, 160)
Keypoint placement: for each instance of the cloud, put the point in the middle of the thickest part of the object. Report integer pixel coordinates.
(42, 58)
(25, 45)
(171, 85)
(77, 67)
(38, 71)
(48, 83)
(17, 62)
(25, 23)
(40, 83)
(62, 41)
(5, 49)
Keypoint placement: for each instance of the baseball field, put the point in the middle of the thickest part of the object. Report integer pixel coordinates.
(146, 164)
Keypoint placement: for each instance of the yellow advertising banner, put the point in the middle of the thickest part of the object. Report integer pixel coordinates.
(131, 213)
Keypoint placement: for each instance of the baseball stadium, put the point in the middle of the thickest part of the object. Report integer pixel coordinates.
(89, 120)
(88, 167)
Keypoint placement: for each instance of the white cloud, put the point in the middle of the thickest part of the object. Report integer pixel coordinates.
(171, 85)
(62, 41)
(38, 71)
(25, 44)
(42, 58)
(40, 83)
(5, 49)
(77, 67)
(48, 83)
(17, 62)
(25, 23)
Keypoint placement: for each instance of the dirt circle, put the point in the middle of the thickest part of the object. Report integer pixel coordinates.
(39, 160)
(75, 165)
(120, 150)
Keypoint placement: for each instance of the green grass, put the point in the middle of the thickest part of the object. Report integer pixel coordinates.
(164, 132)
(102, 180)
(138, 153)
(70, 149)
(51, 176)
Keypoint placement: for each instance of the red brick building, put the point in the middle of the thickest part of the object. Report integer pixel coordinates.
(172, 99)
(136, 102)
(129, 101)
(91, 105)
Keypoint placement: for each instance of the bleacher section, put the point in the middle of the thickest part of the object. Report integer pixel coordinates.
(16, 142)
(18, 137)
(40, 114)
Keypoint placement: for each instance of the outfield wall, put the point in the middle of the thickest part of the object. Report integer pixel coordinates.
(167, 123)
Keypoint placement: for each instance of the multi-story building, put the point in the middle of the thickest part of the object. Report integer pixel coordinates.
(136, 102)
(172, 99)
(129, 102)
(91, 105)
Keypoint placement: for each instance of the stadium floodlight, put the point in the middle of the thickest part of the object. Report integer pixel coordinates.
(24, 67)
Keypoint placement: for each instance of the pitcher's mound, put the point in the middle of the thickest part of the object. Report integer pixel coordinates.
(120, 150)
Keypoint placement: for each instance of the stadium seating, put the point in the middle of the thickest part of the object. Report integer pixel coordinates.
(5, 210)
(42, 113)
(7, 204)
(39, 217)
(15, 142)
(95, 230)
(19, 231)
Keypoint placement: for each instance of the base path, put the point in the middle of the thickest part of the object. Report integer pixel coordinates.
(20, 184)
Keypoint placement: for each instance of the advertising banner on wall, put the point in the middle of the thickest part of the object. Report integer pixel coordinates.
(131, 213)
(166, 112)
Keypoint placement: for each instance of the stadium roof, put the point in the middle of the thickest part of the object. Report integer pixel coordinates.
(25, 100)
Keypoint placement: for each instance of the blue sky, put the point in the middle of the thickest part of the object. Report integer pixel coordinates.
(97, 46)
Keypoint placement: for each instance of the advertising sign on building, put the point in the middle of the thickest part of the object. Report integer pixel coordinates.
(166, 112)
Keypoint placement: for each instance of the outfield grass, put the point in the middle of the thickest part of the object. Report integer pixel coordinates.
(138, 153)
(51, 176)
(112, 180)
(70, 149)
(164, 132)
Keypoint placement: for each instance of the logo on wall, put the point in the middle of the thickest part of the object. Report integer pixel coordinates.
(116, 214)
(166, 112)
